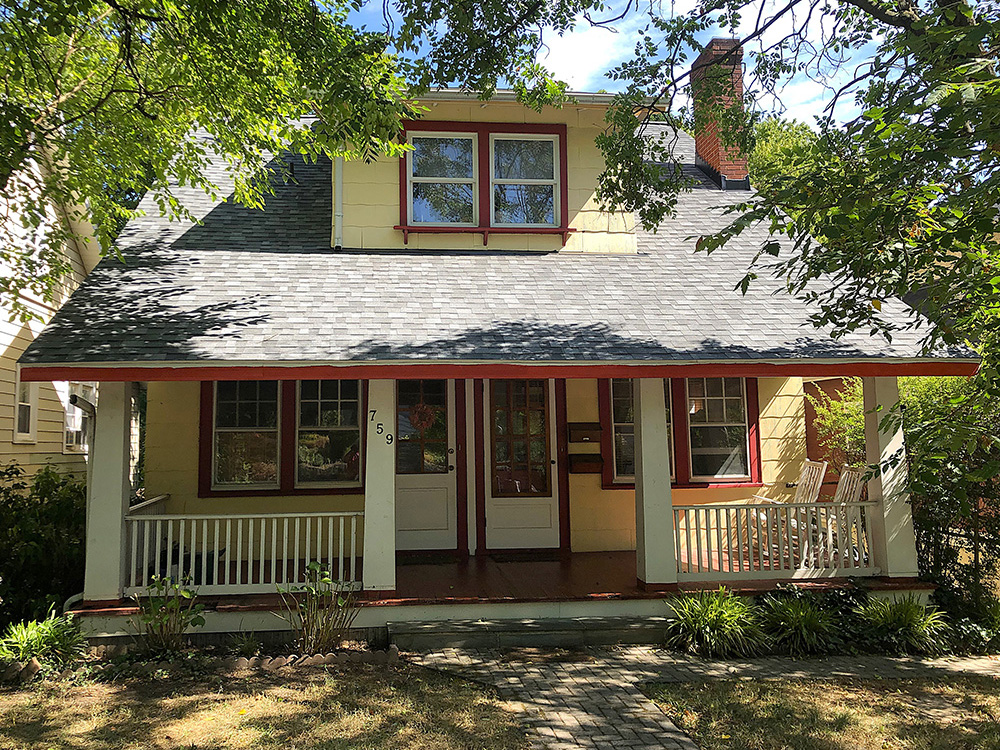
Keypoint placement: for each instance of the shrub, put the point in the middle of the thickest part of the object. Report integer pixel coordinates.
(800, 626)
(166, 613)
(244, 644)
(903, 625)
(966, 636)
(321, 611)
(715, 624)
(55, 640)
(42, 527)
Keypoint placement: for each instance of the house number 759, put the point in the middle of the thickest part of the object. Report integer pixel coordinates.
(380, 427)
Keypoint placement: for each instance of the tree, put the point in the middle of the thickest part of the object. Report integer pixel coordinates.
(777, 144)
(101, 98)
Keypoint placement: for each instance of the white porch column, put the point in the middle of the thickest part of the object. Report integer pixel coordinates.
(656, 561)
(894, 545)
(379, 561)
(108, 493)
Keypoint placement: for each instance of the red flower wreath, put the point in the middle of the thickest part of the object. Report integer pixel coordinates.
(422, 416)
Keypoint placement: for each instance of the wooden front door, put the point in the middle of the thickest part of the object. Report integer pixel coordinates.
(522, 495)
(426, 499)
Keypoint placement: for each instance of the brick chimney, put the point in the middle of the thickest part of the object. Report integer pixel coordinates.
(727, 166)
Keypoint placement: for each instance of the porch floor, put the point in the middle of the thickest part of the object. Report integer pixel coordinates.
(548, 576)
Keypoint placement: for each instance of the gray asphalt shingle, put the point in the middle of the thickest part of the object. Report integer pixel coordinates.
(257, 286)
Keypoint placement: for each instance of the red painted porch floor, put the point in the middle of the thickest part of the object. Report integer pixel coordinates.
(513, 577)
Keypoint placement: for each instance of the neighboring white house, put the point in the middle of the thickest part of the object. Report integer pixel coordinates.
(38, 425)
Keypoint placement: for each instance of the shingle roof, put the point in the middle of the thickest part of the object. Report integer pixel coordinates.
(250, 286)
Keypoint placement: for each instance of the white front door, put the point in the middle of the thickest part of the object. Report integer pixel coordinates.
(522, 501)
(426, 508)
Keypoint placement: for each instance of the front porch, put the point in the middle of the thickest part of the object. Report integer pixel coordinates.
(235, 547)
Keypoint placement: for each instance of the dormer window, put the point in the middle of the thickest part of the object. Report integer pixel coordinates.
(525, 186)
(443, 179)
(484, 178)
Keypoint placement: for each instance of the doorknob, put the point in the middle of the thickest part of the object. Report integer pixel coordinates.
(451, 468)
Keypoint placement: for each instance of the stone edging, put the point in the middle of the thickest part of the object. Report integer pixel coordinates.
(23, 672)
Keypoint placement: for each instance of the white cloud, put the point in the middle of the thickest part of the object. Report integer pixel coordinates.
(582, 56)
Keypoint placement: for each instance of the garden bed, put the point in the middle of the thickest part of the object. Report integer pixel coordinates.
(355, 705)
(841, 714)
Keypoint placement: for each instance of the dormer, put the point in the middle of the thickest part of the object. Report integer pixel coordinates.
(485, 175)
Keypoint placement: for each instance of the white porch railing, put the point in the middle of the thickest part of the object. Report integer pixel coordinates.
(773, 540)
(237, 553)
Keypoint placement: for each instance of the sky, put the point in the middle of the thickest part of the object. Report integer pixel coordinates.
(583, 56)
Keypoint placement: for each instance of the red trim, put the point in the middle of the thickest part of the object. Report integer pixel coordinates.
(682, 435)
(205, 439)
(480, 453)
(288, 437)
(444, 371)
(483, 130)
(461, 468)
(562, 466)
(287, 450)
(607, 438)
(753, 429)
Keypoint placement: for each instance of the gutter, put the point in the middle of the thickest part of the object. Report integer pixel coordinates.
(338, 202)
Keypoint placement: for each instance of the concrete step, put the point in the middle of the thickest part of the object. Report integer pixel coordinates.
(562, 632)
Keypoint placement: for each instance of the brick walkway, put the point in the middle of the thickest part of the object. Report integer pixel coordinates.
(593, 699)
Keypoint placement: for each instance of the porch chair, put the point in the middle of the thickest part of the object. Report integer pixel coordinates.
(806, 491)
(849, 488)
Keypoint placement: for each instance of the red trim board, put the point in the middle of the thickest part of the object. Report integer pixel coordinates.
(446, 370)
(480, 453)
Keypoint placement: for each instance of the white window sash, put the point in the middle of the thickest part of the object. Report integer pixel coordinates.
(667, 393)
(32, 404)
(216, 431)
(361, 443)
(745, 424)
(554, 182)
(473, 181)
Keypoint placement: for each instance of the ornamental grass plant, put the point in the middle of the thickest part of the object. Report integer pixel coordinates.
(715, 624)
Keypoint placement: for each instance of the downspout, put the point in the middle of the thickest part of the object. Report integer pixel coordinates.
(338, 202)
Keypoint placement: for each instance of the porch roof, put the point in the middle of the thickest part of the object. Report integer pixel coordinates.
(249, 288)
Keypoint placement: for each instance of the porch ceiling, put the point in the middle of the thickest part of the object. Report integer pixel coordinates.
(248, 288)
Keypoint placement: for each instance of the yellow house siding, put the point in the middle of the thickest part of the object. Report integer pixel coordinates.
(371, 191)
(172, 433)
(603, 519)
(47, 447)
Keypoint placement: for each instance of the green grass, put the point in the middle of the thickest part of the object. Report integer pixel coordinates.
(358, 707)
(920, 714)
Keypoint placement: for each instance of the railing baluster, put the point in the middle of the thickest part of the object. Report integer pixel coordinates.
(718, 540)
(308, 539)
(131, 528)
(145, 553)
(341, 572)
(297, 528)
(284, 554)
(216, 552)
(329, 544)
(354, 548)
(697, 536)
(274, 551)
(239, 551)
(168, 573)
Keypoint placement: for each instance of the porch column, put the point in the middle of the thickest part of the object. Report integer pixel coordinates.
(656, 561)
(379, 561)
(108, 493)
(894, 543)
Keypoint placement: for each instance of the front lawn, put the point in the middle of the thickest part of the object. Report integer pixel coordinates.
(843, 714)
(351, 707)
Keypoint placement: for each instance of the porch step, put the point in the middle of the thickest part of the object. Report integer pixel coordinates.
(568, 631)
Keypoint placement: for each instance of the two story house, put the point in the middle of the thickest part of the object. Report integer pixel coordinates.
(38, 424)
(462, 386)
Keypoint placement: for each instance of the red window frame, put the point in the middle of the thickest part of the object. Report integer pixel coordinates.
(287, 453)
(483, 131)
(682, 438)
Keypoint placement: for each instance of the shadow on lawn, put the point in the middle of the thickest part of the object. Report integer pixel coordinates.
(925, 714)
(358, 707)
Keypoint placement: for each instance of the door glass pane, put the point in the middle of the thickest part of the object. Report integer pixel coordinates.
(519, 438)
(421, 427)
